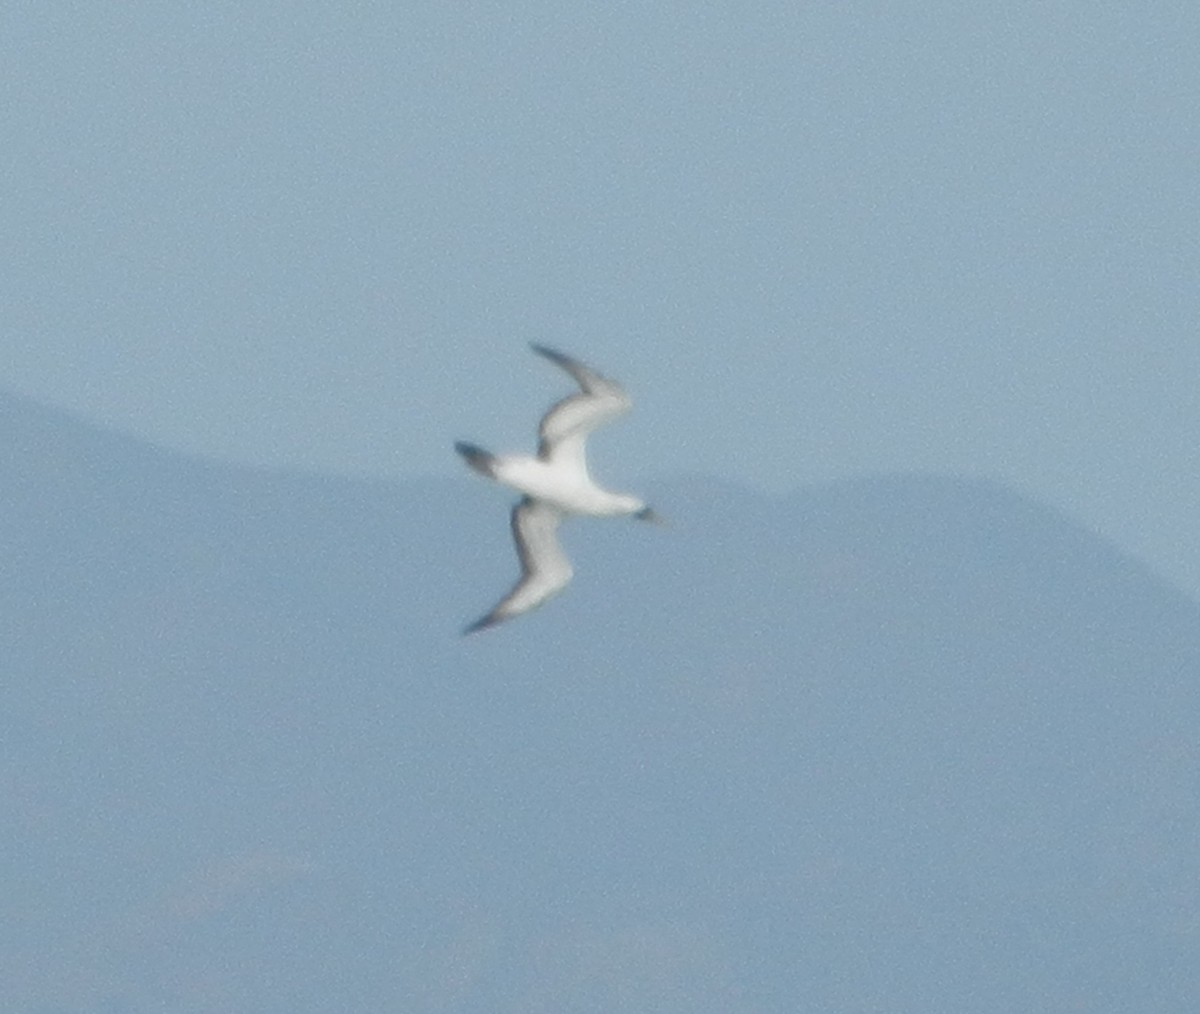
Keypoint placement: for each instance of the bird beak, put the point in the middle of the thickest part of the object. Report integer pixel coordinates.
(649, 514)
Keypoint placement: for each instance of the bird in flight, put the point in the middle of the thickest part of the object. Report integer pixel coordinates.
(554, 483)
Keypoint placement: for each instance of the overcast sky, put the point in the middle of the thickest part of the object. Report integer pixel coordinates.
(814, 239)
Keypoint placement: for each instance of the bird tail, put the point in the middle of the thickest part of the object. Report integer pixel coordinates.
(479, 459)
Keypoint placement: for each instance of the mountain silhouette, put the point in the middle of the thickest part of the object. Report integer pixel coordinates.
(906, 743)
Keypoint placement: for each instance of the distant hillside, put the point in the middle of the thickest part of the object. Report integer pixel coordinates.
(905, 744)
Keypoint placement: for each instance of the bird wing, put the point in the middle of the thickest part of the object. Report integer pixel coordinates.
(545, 569)
(565, 427)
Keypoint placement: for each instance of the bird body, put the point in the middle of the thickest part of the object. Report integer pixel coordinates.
(554, 484)
(568, 491)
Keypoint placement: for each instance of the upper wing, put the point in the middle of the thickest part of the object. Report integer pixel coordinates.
(545, 569)
(568, 422)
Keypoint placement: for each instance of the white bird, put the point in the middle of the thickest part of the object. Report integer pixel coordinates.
(554, 484)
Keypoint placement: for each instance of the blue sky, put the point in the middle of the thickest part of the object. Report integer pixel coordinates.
(815, 240)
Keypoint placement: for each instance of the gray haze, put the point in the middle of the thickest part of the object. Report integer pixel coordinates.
(902, 744)
(818, 240)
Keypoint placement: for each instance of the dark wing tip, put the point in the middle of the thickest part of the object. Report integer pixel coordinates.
(591, 381)
(552, 354)
(490, 620)
(580, 371)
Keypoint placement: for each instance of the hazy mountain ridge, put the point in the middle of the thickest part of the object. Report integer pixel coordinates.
(905, 743)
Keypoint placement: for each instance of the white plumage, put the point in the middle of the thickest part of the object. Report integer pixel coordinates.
(554, 483)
